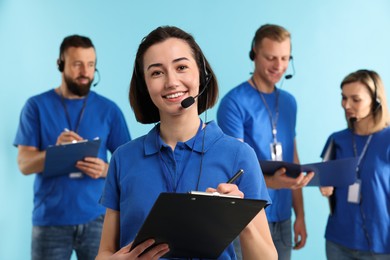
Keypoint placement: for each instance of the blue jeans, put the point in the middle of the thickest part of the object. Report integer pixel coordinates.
(282, 236)
(337, 252)
(58, 242)
(237, 248)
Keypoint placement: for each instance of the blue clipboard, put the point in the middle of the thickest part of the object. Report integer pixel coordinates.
(61, 159)
(336, 173)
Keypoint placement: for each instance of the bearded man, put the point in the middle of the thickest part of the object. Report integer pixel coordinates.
(67, 215)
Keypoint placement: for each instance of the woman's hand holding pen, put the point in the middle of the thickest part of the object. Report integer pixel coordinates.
(227, 189)
(68, 136)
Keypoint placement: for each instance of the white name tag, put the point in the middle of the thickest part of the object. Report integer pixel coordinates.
(354, 192)
(74, 175)
(276, 151)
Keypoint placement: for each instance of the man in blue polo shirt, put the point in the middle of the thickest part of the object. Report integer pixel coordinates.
(265, 117)
(67, 215)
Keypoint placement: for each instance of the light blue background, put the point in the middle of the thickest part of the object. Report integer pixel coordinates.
(330, 39)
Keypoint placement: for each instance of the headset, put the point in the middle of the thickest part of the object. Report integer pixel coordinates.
(252, 53)
(289, 76)
(376, 101)
(252, 56)
(205, 78)
(61, 66)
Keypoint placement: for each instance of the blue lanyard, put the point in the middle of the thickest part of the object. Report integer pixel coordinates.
(76, 129)
(273, 121)
(170, 177)
(362, 154)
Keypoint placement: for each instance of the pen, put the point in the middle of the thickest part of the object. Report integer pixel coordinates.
(73, 141)
(234, 178)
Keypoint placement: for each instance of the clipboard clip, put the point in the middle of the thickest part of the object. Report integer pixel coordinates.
(213, 194)
(75, 142)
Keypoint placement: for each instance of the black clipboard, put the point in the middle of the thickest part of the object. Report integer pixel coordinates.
(336, 173)
(61, 159)
(195, 225)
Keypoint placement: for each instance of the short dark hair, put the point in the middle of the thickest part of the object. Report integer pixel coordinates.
(144, 109)
(74, 41)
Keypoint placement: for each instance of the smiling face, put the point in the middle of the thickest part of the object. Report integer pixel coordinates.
(271, 61)
(171, 75)
(356, 101)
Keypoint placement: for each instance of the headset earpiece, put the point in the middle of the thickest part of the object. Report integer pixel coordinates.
(205, 75)
(60, 64)
(377, 104)
(252, 53)
(376, 101)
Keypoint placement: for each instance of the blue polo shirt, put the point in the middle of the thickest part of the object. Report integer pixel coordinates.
(63, 200)
(242, 114)
(364, 226)
(137, 176)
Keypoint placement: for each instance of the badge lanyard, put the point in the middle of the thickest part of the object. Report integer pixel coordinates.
(362, 154)
(354, 190)
(170, 177)
(76, 129)
(276, 147)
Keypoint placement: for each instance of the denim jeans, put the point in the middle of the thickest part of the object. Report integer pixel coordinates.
(237, 248)
(282, 236)
(58, 242)
(337, 252)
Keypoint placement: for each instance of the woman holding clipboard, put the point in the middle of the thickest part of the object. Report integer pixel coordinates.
(171, 85)
(359, 226)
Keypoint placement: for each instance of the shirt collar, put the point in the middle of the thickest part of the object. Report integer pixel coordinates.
(211, 134)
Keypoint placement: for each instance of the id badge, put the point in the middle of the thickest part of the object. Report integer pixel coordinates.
(75, 175)
(354, 192)
(276, 151)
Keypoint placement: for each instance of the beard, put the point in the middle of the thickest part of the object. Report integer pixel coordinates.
(80, 90)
